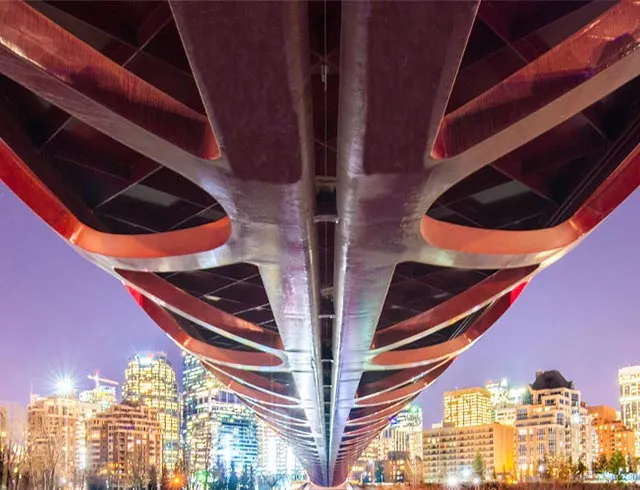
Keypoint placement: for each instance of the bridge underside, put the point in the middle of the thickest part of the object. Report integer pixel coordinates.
(325, 202)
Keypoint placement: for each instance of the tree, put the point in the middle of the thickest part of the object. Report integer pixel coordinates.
(233, 478)
(252, 479)
(165, 480)
(580, 470)
(617, 465)
(244, 478)
(179, 468)
(13, 463)
(272, 480)
(564, 471)
(221, 481)
(379, 472)
(601, 465)
(153, 479)
(544, 468)
(46, 452)
(479, 467)
(137, 466)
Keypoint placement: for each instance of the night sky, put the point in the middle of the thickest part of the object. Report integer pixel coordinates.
(59, 313)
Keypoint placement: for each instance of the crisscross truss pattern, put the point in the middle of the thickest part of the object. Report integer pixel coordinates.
(325, 202)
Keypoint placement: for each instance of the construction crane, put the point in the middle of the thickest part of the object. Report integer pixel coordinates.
(97, 379)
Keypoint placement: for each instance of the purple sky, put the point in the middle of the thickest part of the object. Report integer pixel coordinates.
(59, 312)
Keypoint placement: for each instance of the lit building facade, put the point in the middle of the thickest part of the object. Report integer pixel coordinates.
(216, 427)
(552, 427)
(236, 436)
(467, 407)
(449, 452)
(275, 456)
(403, 434)
(395, 455)
(499, 392)
(505, 415)
(504, 399)
(199, 390)
(399, 467)
(610, 434)
(369, 467)
(124, 446)
(151, 380)
(629, 381)
(102, 396)
(56, 435)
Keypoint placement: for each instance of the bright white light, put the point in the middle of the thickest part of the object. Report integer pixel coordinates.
(452, 481)
(541, 468)
(145, 360)
(476, 481)
(64, 385)
(466, 473)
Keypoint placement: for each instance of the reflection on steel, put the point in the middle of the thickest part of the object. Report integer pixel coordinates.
(326, 203)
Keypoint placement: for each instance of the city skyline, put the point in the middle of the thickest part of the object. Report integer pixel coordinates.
(590, 290)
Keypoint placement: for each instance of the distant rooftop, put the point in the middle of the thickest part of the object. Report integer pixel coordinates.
(548, 380)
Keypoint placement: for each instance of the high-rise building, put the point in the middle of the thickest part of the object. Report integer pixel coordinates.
(504, 399)
(103, 396)
(237, 440)
(403, 434)
(125, 446)
(12, 425)
(610, 434)
(499, 392)
(552, 426)
(56, 428)
(369, 467)
(217, 429)
(199, 389)
(395, 455)
(505, 415)
(151, 380)
(629, 381)
(467, 407)
(450, 452)
(399, 467)
(275, 456)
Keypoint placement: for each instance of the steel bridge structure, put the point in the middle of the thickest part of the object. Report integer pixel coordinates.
(326, 202)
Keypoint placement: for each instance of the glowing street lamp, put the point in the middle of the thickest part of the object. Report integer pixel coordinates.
(64, 385)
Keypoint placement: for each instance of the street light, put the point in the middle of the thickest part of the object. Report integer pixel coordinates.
(64, 385)
(452, 482)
